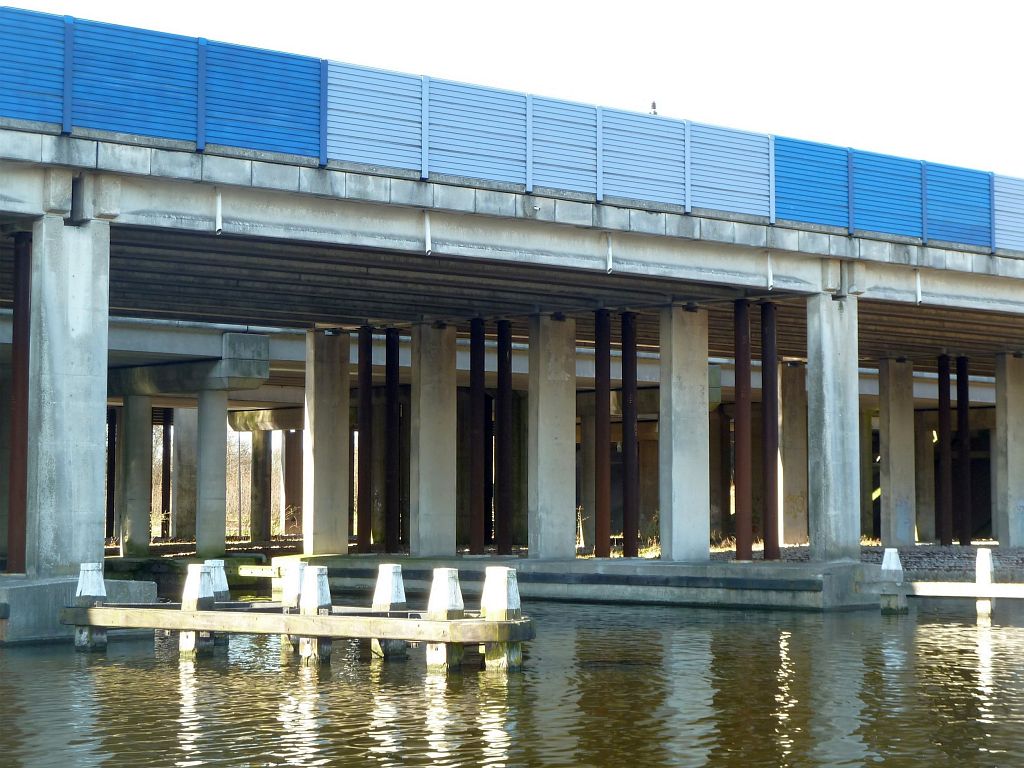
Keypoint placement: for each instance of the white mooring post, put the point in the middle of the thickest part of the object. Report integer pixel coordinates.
(314, 601)
(894, 597)
(197, 596)
(291, 589)
(221, 593)
(500, 602)
(91, 591)
(445, 603)
(389, 595)
(983, 570)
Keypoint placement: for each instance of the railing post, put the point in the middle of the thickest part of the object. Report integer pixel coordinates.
(445, 604)
(91, 591)
(894, 597)
(500, 602)
(389, 595)
(197, 596)
(291, 589)
(315, 600)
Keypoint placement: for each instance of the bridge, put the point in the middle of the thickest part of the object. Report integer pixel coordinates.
(726, 327)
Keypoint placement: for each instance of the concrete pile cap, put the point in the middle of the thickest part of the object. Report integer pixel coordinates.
(316, 592)
(220, 578)
(501, 591)
(90, 581)
(983, 566)
(445, 592)
(198, 582)
(892, 568)
(390, 589)
(291, 583)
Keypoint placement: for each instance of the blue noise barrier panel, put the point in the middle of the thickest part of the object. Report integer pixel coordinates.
(886, 194)
(134, 81)
(958, 208)
(810, 182)
(564, 145)
(644, 157)
(262, 100)
(373, 116)
(31, 65)
(1009, 212)
(477, 132)
(730, 170)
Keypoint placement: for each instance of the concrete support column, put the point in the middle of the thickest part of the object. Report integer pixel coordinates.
(394, 439)
(770, 417)
(261, 491)
(588, 473)
(896, 436)
(743, 437)
(434, 431)
(1008, 451)
(924, 477)
(552, 437)
(326, 472)
(185, 447)
(67, 395)
(137, 431)
(684, 460)
(793, 449)
(211, 473)
(832, 428)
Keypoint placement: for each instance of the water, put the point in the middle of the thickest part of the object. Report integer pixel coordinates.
(603, 686)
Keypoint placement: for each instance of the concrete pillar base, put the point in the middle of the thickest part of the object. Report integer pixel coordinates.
(34, 605)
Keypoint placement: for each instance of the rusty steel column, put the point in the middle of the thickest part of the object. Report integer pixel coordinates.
(770, 430)
(944, 503)
(364, 502)
(630, 443)
(166, 417)
(18, 466)
(503, 497)
(393, 444)
(111, 469)
(477, 436)
(488, 469)
(742, 426)
(965, 527)
(602, 433)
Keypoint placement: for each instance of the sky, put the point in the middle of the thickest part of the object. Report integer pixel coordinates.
(937, 81)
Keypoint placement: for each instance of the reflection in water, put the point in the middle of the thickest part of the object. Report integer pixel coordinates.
(602, 686)
(435, 688)
(385, 725)
(493, 718)
(189, 724)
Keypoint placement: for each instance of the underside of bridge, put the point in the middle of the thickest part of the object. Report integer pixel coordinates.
(205, 278)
